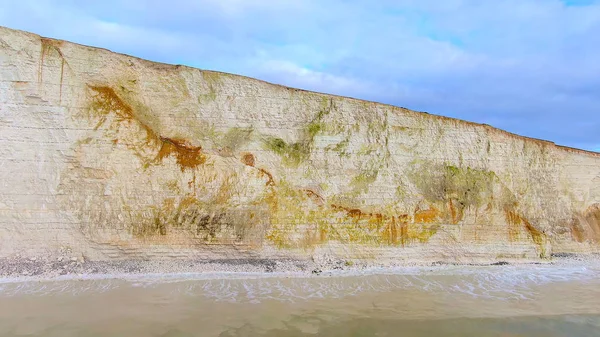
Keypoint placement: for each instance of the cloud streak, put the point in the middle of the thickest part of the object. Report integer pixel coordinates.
(527, 66)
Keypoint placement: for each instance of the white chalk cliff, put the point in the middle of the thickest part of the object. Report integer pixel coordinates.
(117, 157)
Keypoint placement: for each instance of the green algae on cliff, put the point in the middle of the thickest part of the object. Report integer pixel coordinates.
(458, 188)
(466, 186)
(294, 154)
(235, 138)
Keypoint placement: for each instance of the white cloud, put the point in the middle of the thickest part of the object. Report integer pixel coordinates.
(529, 66)
(290, 74)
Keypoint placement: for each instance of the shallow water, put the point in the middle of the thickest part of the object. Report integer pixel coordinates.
(446, 301)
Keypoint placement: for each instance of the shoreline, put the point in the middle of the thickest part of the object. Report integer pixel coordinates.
(18, 270)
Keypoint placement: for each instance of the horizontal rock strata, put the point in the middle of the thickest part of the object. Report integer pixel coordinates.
(114, 157)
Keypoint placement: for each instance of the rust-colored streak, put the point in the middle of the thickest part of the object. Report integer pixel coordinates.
(46, 46)
(109, 101)
(403, 224)
(393, 231)
(456, 214)
(355, 213)
(62, 71)
(515, 221)
(352, 212)
(452, 211)
(426, 216)
(248, 159)
(592, 217)
(370, 227)
(536, 235)
(316, 198)
(270, 181)
(187, 155)
(106, 101)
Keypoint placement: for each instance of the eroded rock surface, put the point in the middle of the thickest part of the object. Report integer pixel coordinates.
(115, 157)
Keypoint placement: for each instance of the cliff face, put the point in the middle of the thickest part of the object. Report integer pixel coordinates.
(117, 157)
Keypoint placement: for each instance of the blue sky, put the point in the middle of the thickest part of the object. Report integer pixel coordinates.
(527, 66)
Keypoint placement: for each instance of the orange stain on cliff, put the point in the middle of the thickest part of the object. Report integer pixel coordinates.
(270, 181)
(391, 232)
(452, 211)
(394, 229)
(455, 214)
(47, 45)
(316, 198)
(248, 159)
(587, 225)
(375, 222)
(107, 101)
(536, 235)
(592, 217)
(426, 216)
(515, 220)
(354, 213)
(187, 155)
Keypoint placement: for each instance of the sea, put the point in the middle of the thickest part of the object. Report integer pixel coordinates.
(481, 301)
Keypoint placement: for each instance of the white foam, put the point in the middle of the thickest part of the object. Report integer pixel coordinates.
(496, 282)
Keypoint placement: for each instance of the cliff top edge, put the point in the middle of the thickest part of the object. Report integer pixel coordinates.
(488, 127)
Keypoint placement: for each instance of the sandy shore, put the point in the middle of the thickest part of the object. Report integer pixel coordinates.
(74, 267)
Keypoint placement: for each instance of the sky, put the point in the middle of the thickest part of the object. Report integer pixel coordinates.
(530, 67)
